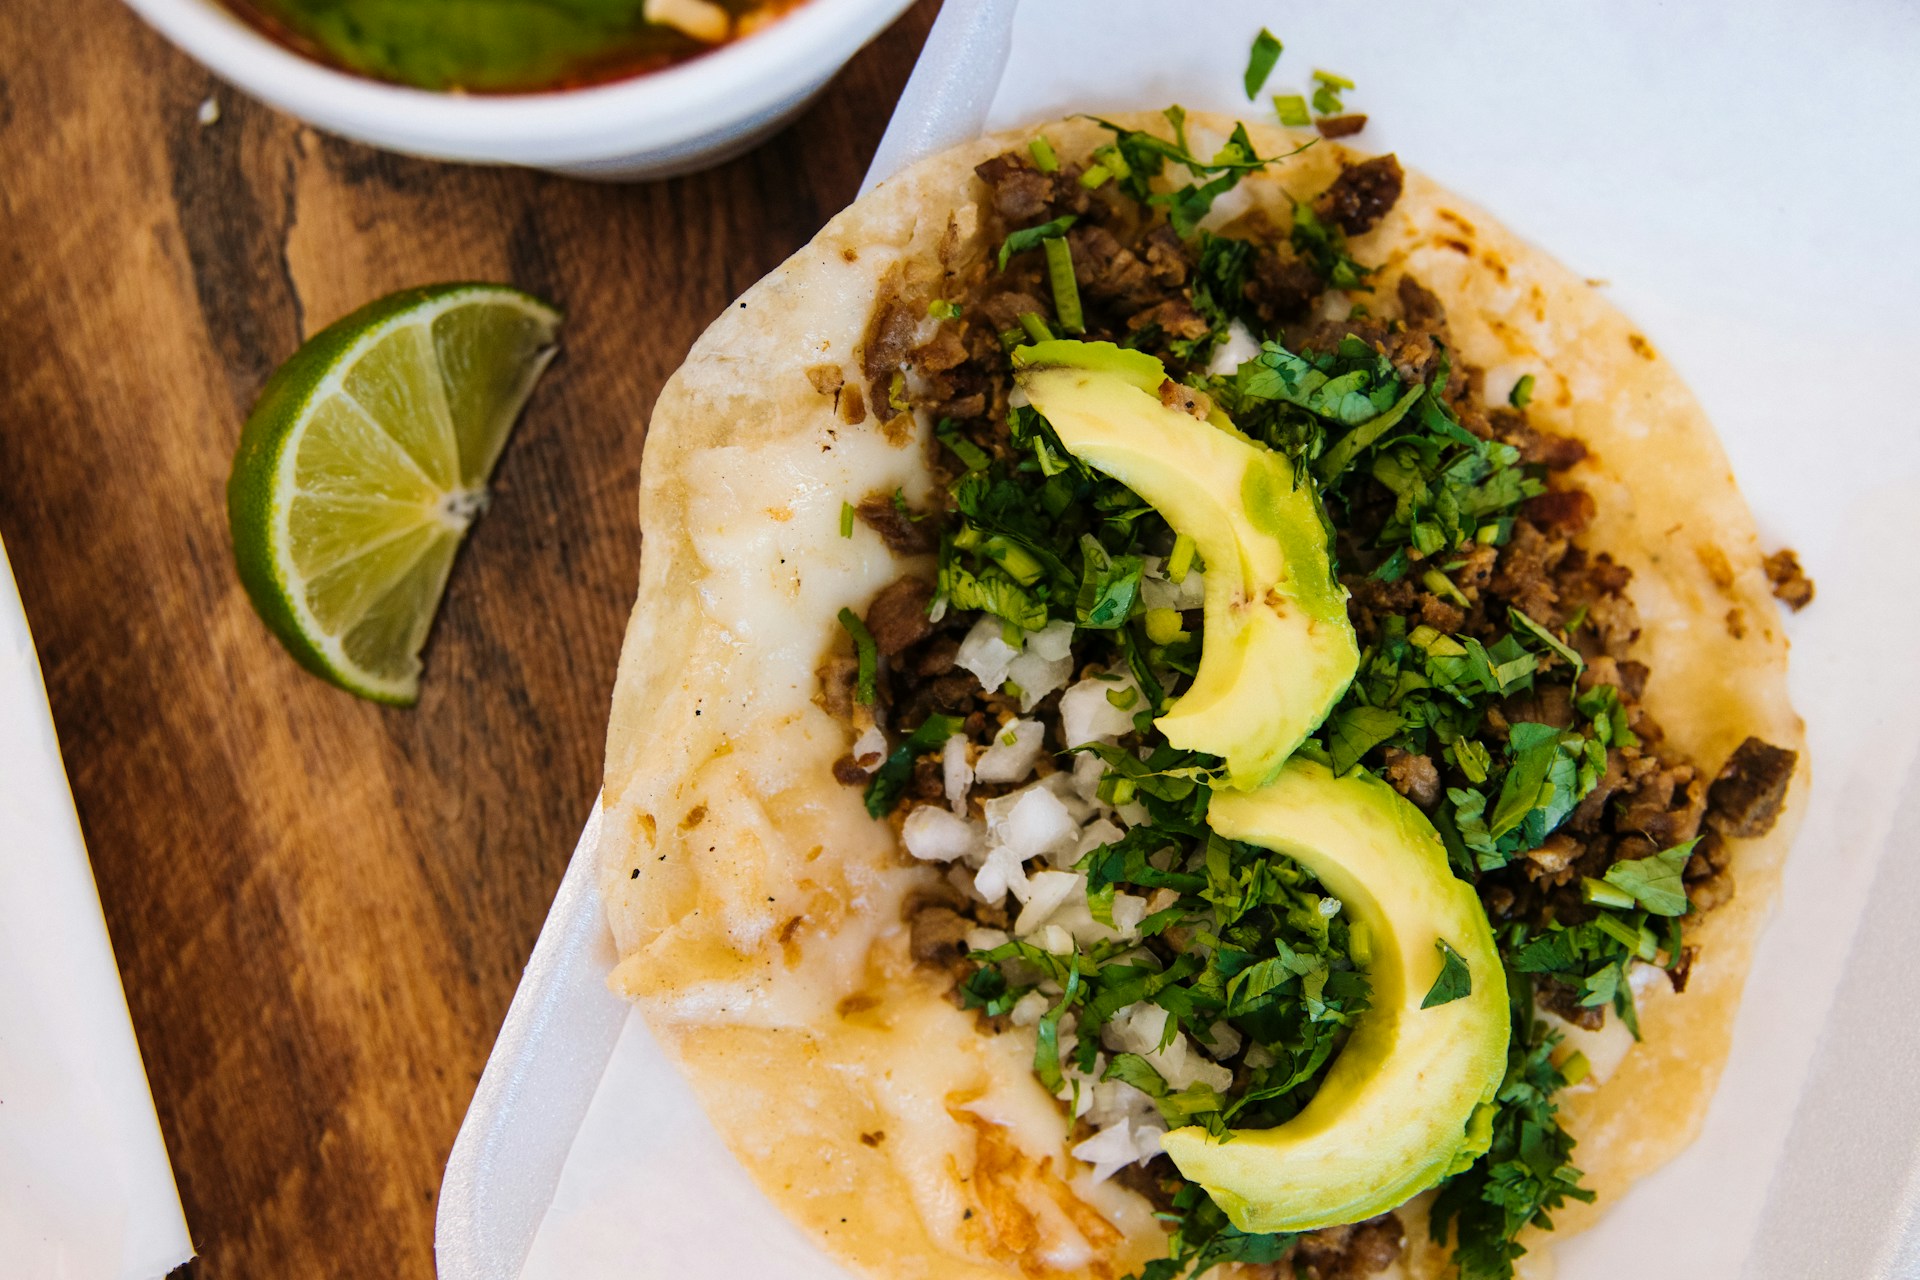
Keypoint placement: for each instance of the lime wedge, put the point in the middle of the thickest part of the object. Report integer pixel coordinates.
(364, 462)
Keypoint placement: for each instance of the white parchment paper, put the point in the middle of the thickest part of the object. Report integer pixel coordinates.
(86, 1192)
(1745, 178)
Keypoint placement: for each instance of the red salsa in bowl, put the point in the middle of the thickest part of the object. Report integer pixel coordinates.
(506, 46)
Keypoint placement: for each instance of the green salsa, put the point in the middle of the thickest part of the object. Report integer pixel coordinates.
(505, 46)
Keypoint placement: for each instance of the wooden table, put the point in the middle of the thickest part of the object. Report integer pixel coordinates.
(320, 907)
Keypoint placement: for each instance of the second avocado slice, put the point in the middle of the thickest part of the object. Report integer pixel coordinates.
(1278, 650)
(1407, 1102)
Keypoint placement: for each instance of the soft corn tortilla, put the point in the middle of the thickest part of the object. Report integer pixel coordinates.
(756, 906)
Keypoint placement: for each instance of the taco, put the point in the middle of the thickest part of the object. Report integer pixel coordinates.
(1193, 701)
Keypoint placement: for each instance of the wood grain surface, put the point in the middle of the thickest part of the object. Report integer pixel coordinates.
(320, 907)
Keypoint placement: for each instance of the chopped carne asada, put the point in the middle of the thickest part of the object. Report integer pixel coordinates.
(1172, 977)
(1791, 585)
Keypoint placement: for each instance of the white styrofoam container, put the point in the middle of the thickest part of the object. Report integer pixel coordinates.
(1842, 1197)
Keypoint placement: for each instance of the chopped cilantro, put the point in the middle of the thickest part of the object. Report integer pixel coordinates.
(1327, 90)
(1357, 729)
(1066, 293)
(971, 455)
(1600, 893)
(1260, 59)
(1035, 326)
(1046, 1049)
(1031, 237)
(1109, 585)
(891, 778)
(1546, 637)
(1203, 1239)
(1441, 585)
(1655, 883)
(1453, 983)
(864, 650)
(1145, 157)
(1522, 393)
(1324, 245)
(987, 989)
(1527, 1170)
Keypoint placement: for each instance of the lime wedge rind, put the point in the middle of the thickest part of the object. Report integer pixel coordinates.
(380, 473)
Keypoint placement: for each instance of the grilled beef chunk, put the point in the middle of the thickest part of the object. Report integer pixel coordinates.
(1351, 1252)
(1414, 777)
(906, 533)
(1362, 194)
(1560, 999)
(1791, 585)
(898, 615)
(1745, 799)
(1019, 192)
(1340, 126)
(938, 936)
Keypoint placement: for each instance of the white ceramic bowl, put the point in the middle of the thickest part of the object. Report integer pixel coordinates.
(688, 116)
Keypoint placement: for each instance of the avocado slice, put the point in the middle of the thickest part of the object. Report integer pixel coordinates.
(1408, 1101)
(1278, 650)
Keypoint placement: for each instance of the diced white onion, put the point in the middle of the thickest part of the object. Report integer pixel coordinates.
(1052, 642)
(1016, 749)
(985, 939)
(1138, 1029)
(1240, 347)
(986, 653)
(934, 834)
(1093, 835)
(870, 748)
(960, 876)
(1088, 769)
(1088, 715)
(1226, 1041)
(1037, 676)
(1230, 204)
(1061, 784)
(1028, 1009)
(1031, 823)
(1128, 911)
(1157, 591)
(1117, 1100)
(999, 873)
(957, 771)
(1109, 1150)
(1605, 1048)
(1046, 891)
(1123, 1142)
(1056, 940)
